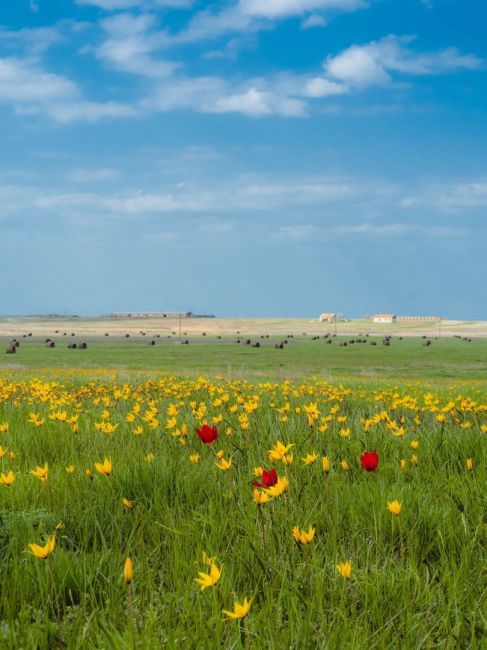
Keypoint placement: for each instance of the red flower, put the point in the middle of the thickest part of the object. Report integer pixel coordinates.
(207, 434)
(268, 479)
(369, 461)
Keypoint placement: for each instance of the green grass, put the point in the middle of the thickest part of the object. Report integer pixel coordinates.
(445, 359)
(418, 580)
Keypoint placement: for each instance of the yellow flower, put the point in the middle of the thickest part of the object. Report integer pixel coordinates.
(312, 413)
(11, 455)
(345, 569)
(302, 536)
(128, 571)
(208, 579)
(224, 465)
(138, 431)
(483, 428)
(194, 458)
(469, 464)
(288, 459)
(2, 452)
(344, 465)
(89, 474)
(220, 454)
(414, 459)
(4, 427)
(7, 479)
(260, 497)
(104, 468)
(309, 458)
(43, 552)
(258, 471)
(326, 464)
(128, 504)
(402, 464)
(150, 457)
(344, 433)
(40, 472)
(441, 417)
(414, 444)
(279, 451)
(239, 610)
(394, 507)
(279, 488)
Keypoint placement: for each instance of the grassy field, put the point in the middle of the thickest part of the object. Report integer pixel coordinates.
(164, 497)
(445, 359)
(418, 578)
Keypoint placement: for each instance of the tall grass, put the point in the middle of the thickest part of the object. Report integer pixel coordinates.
(418, 580)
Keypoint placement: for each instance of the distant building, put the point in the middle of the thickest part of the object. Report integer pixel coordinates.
(151, 314)
(384, 318)
(328, 318)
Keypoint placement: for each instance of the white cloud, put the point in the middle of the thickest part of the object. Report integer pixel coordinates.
(131, 41)
(371, 64)
(22, 82)
(318, 87)
(86, 111)
(471, 194)
(254, 15)
(115, 5)
(315, 20)
(257, 98)
(273, 9)
(258, 103)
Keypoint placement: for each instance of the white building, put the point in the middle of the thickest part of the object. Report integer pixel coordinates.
(328, 318)
(384, 318)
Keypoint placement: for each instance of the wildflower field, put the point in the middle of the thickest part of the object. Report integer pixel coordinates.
(155, 511)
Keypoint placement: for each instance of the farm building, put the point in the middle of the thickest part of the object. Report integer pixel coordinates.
(151, 314)
(384, 318)
(328, 318)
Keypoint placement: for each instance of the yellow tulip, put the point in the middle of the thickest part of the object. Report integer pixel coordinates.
(104, 468)
(394, 507)
(345, 569)
(310, 458)
(239, 610)
(224, 465)
(41, 473)
(208, 579)
(128, 571)
(7, 479)
(303, 537)
(43, 552)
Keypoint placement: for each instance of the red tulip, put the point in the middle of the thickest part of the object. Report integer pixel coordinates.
(207, 434)
(268, 479)
(369, 461)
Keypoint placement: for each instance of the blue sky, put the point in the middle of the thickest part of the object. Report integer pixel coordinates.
(243, 158)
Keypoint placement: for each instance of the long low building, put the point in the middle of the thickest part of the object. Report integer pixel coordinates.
(151, 314)
(384, 318)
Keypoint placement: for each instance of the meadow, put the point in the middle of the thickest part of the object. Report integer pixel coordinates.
(207, 496)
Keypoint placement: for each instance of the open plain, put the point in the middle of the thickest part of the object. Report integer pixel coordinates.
(220, 493)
